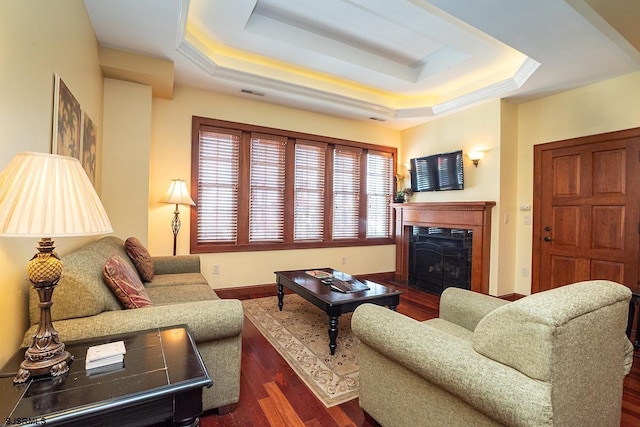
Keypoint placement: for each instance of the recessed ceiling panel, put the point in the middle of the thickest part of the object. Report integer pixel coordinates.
(403, 48)
(348, 24)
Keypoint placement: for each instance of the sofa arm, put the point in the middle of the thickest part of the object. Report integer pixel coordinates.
(176, 264)
(205, 320)
(451, 364)
(466, 308)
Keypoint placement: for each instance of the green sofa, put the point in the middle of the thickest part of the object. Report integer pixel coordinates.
(555, 358)
(84, 307)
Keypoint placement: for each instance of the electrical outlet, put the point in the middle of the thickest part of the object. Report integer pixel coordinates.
(216, 268)
(344, 260)
(524, 272)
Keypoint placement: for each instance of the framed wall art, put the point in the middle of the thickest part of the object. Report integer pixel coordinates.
(67, 117)
(89, 136)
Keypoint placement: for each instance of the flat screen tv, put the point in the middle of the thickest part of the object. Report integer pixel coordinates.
(438, 172)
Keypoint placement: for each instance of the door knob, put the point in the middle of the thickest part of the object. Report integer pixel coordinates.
(547, 228)
(547, 238)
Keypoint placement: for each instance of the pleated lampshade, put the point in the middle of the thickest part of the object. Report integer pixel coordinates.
(49, 195)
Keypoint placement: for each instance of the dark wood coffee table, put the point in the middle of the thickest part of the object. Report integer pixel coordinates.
(332, 302)
(161, 380)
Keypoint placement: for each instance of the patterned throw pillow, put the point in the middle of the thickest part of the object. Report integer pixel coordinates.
(140, 257)
(125, 283)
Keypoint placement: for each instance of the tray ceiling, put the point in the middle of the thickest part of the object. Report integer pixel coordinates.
(401, 63)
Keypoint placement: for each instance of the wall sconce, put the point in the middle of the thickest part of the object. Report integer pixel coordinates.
(475, 157)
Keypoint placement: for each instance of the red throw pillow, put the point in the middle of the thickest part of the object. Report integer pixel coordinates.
(125, 283)
(140, 257)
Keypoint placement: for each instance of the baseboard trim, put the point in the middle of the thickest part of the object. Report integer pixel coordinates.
(247, 292)
(512, 297)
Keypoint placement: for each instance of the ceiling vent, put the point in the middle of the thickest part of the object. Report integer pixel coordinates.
(377, 119)
(252, 92)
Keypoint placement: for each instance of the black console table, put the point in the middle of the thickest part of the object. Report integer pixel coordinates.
(161, 380)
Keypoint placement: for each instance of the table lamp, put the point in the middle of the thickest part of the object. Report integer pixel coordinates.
(46, 195)
(178, 194)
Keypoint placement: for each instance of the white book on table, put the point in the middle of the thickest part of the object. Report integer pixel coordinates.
(105, 354)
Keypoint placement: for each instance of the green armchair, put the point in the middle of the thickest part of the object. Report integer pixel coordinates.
(556, 358)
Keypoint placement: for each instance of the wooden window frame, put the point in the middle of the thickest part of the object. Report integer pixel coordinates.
(242, 244)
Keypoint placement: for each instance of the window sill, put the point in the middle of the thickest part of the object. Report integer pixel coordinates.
(222, 247)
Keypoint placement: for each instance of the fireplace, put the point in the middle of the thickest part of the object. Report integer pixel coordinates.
(472, 216)
(440, 258)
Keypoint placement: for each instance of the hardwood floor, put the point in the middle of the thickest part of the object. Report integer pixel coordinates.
(271, 394)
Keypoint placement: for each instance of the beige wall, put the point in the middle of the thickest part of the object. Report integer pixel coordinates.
(472, 129)
(38, 38)
(170, 157)
(602, 107)
(125, 163)
(507, 208)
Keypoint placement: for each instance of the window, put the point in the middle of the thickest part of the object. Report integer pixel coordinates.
(266, 208)
(309, 191)
(346, 192)
(263, 189)
(218, 186)
(379, 190)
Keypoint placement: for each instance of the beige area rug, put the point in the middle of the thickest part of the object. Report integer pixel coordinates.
(299, 333)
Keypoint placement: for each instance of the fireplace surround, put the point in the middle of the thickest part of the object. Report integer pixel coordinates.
(474, 216)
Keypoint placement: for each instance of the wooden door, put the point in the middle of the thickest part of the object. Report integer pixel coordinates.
(586, 215)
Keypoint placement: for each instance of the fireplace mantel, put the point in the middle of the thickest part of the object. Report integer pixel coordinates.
(475, 216)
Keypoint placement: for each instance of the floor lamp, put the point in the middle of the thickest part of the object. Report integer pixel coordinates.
(47, 195)
(179, 195)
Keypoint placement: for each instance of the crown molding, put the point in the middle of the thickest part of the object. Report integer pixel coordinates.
(493, 91)
(197, 57)
(187, 44)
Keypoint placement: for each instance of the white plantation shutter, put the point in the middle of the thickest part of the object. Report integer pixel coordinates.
(309, 191)
(218, 186)
(379, 192)
(266, 209)
(346, 192)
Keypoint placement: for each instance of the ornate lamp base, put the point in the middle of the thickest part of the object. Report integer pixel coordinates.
(55, 366)
(175, 227)
(46, 355)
